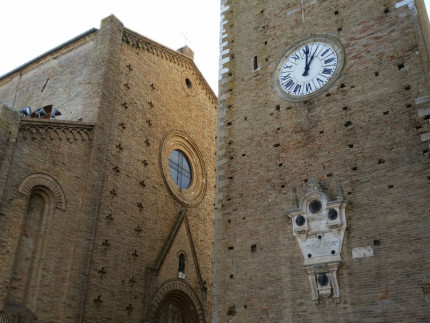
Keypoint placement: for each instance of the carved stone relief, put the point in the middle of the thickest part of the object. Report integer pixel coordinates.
(319, 225)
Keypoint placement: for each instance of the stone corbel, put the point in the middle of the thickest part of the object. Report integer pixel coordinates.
(323, 281)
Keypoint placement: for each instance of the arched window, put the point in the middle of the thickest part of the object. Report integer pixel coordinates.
(44, 196)
(26, 273)
(181, 268)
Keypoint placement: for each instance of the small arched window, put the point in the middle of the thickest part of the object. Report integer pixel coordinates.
(181, 268)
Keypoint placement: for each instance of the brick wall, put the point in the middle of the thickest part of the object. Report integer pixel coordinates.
(366, 131)
(57, 255)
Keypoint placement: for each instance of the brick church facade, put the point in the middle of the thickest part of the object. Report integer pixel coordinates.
(106, 194)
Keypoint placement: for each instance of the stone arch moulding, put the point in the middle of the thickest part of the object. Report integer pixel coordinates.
(35, 180)
(172, 286)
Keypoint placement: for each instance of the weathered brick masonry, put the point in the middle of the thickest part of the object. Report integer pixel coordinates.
(369, 131)
(92, 224)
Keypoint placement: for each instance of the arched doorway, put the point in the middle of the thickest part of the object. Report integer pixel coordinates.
(176, 307)
(176, 302)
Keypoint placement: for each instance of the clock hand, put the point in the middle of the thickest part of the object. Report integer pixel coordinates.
(306, 52)
(309, 63)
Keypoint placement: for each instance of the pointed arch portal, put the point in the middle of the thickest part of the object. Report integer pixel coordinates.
(176, 302)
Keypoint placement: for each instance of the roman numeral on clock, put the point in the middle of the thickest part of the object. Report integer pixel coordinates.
(297, 89)
(320, 82)
(327, 71)
(286, 67)
(329, 60)
(325, 52)
(295, 56)
(285, 77)
(288, 85)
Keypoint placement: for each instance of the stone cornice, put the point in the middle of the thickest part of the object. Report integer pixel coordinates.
(138, 41)
(55, 130)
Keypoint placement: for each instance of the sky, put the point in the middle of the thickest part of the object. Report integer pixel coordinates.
(30, 28)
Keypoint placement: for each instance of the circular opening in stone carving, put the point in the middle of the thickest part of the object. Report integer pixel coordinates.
(300, 220)
(332, 214)
(180, 169)
(315, 206)
(188, 83)
(322, 280)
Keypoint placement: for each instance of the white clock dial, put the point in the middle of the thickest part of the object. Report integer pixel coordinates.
(308, 68)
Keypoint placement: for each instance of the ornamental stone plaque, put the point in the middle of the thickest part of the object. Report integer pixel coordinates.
(319, 225)
(321, 247)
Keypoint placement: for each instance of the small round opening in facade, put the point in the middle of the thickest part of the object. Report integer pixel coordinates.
(188, 83)
(180, 169)
(315, 206)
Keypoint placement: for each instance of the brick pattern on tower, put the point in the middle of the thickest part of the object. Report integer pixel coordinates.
(368, 131)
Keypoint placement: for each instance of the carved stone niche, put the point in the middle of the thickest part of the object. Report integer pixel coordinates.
(319, 225)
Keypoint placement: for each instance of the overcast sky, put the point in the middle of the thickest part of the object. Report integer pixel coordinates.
(29, 28)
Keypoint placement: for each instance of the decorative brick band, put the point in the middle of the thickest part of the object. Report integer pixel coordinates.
(35, 180)
(69, 131)
(140, 42)
(16, 318)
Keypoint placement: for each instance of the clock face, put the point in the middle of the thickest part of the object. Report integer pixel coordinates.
(308, 68)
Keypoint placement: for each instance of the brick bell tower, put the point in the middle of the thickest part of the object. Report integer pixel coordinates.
(323, 173)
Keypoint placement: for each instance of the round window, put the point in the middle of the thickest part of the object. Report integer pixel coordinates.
(180, 169)
(188, 82)
(183, 168)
